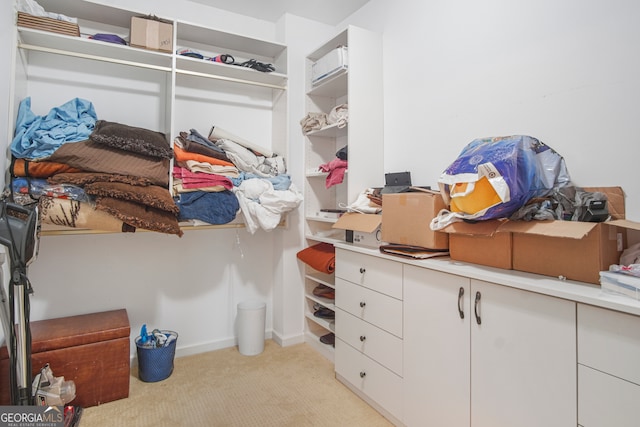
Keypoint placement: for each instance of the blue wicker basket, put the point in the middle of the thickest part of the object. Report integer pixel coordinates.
(156, 363)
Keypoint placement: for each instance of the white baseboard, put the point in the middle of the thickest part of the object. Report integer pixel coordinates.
(285, 341)
(206, 347)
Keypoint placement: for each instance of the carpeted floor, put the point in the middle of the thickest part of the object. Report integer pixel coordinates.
(282, 386)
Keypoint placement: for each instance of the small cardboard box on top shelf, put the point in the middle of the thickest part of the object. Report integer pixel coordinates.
(151, 33)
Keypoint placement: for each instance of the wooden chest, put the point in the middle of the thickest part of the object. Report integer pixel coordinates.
(91, 349)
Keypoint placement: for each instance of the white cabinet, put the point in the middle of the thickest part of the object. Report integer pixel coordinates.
(608, 375)
(160, 91)
(437, 348)
(369, 329)
(360, 87)
(486, 355)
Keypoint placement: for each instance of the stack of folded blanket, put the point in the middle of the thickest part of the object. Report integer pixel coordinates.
(97, 174)
(202, 183)
(122, 170)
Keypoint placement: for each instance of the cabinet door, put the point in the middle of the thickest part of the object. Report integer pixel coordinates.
(523, 364)
(436, 348)
(605, 401)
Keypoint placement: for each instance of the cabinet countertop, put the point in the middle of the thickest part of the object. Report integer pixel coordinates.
(567, 289)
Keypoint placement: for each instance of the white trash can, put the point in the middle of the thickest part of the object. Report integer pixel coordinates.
(250, 321)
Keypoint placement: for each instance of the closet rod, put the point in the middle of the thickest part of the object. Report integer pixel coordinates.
(231, 79)
(94, 57)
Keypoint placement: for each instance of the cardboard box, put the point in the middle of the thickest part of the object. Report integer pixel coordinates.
(406, 219)
(571, 249)
(151, 34)
(91, 349)
(565, 249)
(481, 243)
(361, 229)
(568, 249)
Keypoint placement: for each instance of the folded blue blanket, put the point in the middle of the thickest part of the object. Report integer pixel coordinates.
(37, 137)
(218, 207)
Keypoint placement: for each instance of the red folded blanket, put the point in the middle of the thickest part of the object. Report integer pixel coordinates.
(321, 257)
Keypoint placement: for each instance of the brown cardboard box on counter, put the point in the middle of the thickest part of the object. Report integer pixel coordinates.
(361, 229)
(568, 249)
(483, 242)
(406, 219)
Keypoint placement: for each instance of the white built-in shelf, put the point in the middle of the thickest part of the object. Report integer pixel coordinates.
(233, 73)
(81, 47)
(325, 302)
(333, 87)
(331, 240)
(323, 278)
(321, 219)
(331, 131)
(328, 324)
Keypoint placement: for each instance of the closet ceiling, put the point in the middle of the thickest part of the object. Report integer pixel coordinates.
(327, 11)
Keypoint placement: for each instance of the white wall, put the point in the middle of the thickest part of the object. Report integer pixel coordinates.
(564, 72)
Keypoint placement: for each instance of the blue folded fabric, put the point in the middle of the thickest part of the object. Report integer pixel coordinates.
(211, 207)
(37, 137)
(280, 182)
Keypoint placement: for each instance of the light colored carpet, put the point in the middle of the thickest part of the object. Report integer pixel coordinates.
(282, 386)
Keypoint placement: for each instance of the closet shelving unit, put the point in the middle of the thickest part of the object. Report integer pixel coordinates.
(177, 104)
(360, 87)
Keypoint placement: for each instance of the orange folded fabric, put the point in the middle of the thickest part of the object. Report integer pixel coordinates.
(44, 169)
(321, 257)
(182, 156)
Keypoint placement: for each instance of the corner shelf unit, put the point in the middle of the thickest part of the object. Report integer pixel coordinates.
(360, 87)
(164, 92)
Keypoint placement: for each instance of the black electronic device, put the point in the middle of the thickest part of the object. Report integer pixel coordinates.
(396, 182)
(596, 211)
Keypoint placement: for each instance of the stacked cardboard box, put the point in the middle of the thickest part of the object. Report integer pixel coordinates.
(565, 249)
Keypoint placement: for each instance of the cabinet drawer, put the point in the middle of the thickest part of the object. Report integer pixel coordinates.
(372, 379)
(381, 346)
(605, 401)
(373, 307)
(609, 341)
(378, 274)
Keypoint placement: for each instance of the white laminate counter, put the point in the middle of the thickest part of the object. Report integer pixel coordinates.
(567, 289)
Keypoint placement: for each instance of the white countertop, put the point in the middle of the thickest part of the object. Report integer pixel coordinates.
(567, 289)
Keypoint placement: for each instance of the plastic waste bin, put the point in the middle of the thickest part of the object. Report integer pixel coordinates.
(155, 362)
(250, 321)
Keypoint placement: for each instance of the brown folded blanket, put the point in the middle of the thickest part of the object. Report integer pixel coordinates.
(74, 214)
(321, 257)
(140, 216)
(83, 178)
(26, 168)
(94, 157)
(130, 138)
(152, 195)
